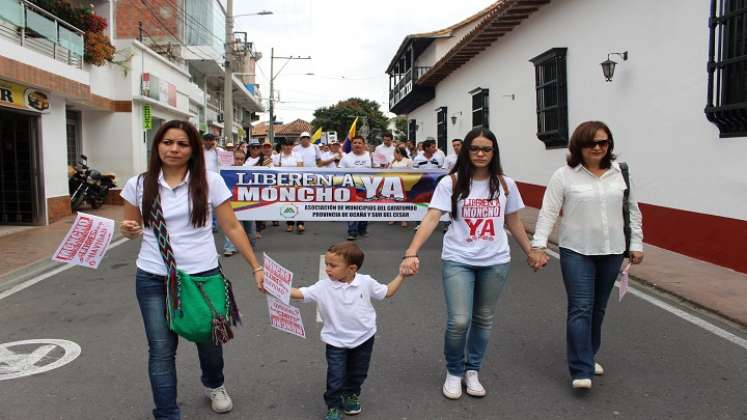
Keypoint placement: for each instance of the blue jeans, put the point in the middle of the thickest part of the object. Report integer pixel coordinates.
(251, 231)
(346, 371)
(162, 344)
(471, 295)
(357, 228)
(588, 280)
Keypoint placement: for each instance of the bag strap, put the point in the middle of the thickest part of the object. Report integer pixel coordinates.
(164, 246)
(626, 205)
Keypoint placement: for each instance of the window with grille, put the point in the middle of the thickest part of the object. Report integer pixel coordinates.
(727, 67)
(552, 97)
(479, 108)
(441, 127)
(412, 128)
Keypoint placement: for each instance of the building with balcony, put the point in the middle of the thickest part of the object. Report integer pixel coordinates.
(54, 105)
(47, 90)
(529, 70)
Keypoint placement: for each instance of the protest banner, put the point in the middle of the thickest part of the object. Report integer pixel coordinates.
(330, 194)
(285, 317)
(278, 279)
(86, 242)
(225, 157)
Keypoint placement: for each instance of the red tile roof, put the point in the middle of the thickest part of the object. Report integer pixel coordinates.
(497, 20)
(292, 129)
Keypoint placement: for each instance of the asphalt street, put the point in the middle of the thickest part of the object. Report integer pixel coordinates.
(658, 365)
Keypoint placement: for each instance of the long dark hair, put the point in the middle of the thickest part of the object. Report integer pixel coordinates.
(198, 189)
(582, 136)
(464, 169)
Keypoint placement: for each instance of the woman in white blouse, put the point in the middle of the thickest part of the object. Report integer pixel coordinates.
(400, 158)
(589, 190)
(188, 195)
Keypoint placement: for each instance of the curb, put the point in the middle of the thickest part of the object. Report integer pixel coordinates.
(36, 268)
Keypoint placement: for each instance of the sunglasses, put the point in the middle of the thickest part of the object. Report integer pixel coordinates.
(592, 144)
(484, 149)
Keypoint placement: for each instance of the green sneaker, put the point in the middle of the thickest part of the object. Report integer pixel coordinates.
(333, 414)
(352, 404)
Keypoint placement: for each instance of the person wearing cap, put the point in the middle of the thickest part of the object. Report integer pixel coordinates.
(331, 158)
(254, 157)
(212, 163)
(267, 152)
(229, 147)
(310, 153)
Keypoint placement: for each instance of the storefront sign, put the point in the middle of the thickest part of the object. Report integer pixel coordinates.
(147, 117)
(330, 194)
(158, 89)
(21, 97)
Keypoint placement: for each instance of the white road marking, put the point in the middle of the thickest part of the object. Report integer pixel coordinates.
(15, 364)
(30, 282)
(713, 329)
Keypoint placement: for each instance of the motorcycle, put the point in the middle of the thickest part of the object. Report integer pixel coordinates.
(88, 185)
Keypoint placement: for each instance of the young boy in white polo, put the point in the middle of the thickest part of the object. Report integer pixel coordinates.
(344, 301)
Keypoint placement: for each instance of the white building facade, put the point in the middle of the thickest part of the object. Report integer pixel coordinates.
(530, 71)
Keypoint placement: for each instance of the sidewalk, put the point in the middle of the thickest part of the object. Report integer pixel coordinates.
(27, 252)
(709, 286)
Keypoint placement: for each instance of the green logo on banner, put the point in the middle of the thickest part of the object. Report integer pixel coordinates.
(147, 117)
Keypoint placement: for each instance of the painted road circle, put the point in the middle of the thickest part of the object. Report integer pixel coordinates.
(30, 357)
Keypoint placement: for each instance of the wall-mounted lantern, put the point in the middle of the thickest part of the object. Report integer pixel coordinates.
(608, 66)
(454, 117)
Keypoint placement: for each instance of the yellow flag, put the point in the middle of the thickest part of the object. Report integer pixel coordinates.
(316, 138)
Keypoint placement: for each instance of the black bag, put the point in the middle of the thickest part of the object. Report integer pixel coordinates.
(626, 208)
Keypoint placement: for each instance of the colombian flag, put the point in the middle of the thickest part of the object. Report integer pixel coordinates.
(316, 138)
(347, 146)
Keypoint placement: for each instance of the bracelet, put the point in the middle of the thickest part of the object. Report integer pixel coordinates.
(539, 248)
(260, 268)
(409, 256)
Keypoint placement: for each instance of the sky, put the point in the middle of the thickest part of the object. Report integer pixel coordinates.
(351, 44)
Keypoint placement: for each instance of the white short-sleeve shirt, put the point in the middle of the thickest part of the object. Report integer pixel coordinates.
(351, 160)
(346, 309)
(281, 159)
(477, 236)
(194, 248)
(309, 155)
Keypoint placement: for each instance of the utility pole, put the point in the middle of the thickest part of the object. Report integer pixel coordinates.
(228, 85)
(271, 129)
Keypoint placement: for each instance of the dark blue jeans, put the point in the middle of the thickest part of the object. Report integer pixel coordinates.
(357, 228)
(588, 280)
(162, 343)
(346, 371)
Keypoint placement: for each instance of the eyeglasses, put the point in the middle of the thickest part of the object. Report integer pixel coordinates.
(594, 143)
(254, 146)
(484, 149)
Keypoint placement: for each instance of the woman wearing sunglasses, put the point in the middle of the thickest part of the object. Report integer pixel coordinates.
(589, 190)
(479, 200)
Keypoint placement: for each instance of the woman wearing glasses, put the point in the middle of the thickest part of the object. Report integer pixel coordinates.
(589, 190)
(480, 200)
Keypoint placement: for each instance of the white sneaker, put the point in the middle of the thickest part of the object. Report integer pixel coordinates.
(598, 369)
(474, 387)
(581, 384)
(452, 387)
(221, 401)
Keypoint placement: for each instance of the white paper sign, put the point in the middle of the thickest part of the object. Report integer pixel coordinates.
(86, 242)
(624, 280)
(278, 279)
(225, 157)
(285, 317)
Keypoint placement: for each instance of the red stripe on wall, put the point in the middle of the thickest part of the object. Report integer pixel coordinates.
(716, 239)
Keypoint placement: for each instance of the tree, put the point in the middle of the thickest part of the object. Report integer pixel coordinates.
(340, 116)
(400, 124)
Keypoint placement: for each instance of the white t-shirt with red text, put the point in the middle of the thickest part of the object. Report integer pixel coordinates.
(477, 236)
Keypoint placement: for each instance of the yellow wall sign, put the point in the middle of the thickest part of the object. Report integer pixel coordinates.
(21, 97)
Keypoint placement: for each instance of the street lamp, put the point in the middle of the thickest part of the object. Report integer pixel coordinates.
(260, 13)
